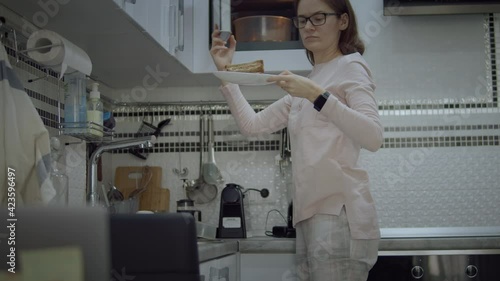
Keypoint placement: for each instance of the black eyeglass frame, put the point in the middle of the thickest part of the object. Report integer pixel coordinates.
(296, 23)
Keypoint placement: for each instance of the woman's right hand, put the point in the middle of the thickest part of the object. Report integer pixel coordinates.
(221, 54)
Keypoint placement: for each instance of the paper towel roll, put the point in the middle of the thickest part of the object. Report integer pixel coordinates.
(66, 57)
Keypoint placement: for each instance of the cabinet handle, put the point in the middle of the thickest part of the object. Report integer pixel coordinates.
(165, 28)
(172, 27)
(130, 1)
(180, 34)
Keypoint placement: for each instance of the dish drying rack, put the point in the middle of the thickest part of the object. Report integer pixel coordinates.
(84, 131)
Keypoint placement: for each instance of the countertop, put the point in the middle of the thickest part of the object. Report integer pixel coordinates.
(208, 249)
(388, 246)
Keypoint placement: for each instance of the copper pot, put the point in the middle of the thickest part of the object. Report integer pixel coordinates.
(263, 28)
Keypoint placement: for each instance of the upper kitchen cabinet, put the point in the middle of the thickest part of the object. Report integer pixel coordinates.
(146, 44)
(168, 22)
(141, 45)
(151, 15)
(278, 45)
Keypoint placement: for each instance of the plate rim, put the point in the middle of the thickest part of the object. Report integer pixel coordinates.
(245, 73)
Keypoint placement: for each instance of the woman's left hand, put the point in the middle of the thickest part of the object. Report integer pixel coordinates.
(297, 86)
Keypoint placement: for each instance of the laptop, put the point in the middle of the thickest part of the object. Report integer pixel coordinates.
(82, 234)
(151, 247)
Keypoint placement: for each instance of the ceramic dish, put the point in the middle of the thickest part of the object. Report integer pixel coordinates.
(241, 78)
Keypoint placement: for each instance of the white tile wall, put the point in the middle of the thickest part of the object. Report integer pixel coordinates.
(436, 187)
(413, 187)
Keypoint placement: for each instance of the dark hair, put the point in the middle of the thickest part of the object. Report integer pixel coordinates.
(349, 41)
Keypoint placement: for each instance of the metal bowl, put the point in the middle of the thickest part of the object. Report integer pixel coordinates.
(263, 28)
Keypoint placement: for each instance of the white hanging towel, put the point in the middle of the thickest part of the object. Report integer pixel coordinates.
(24, 144)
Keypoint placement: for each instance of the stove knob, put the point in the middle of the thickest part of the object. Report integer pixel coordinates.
(417, 272)
(471, 271)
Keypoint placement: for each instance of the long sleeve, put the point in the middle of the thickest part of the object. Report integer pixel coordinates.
(271, 119)
(358, 118)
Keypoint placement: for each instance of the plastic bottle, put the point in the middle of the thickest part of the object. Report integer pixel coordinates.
(108, 121)
(75, 103)
(94, 111)
(58, 178)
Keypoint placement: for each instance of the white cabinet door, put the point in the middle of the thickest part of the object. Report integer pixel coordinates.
(151, 16)
(267, 267)
(135, 9)
(202, 61)
(168, 22)
(139, 11)
(181, 29)
(156, 19)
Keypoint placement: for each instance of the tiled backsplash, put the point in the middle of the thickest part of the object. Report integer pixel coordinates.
(438, 187)
(434, 169)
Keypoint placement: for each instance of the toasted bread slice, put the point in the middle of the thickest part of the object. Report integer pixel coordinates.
(250, 67)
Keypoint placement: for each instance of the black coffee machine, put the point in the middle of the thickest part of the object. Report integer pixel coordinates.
(232, 212)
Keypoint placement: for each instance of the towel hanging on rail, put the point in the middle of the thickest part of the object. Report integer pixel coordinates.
(24, 143)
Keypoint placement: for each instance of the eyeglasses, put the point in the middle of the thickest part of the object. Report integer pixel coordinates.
(316, 19)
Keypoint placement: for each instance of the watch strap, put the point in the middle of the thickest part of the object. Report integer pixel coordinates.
(320, 101)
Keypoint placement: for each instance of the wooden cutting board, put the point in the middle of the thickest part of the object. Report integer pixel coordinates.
(160, 200)
(155, 198)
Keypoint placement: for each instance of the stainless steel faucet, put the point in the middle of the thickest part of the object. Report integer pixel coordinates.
(92, 194)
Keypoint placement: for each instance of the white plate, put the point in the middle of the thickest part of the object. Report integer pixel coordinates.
(241, 78)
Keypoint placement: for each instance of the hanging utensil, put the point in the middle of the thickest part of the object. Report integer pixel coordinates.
(202, 150)
(198, 190)
(211, 173)
(181, 172)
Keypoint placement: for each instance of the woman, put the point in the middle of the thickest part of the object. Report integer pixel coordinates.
(331, 115)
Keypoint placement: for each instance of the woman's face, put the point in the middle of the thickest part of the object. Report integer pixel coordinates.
(323, 39)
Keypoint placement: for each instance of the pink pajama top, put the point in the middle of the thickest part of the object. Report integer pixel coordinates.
(325, 145)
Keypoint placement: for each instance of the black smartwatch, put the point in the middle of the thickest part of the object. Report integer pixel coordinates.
(320, 101)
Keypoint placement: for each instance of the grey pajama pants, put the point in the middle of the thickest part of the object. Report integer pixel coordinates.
(325, 250)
